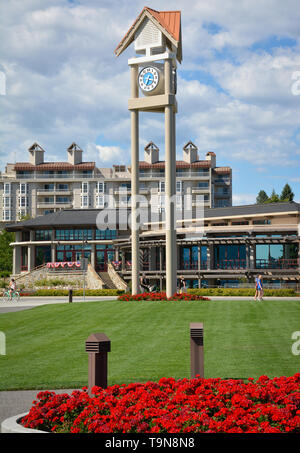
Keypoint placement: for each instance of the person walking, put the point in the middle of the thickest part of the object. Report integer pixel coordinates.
(182, 285)
(258, 288)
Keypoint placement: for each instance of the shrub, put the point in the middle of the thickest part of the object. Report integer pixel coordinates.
(241, 292)
(78, 292)
(161, 296)
(53, 282)
(174, 406)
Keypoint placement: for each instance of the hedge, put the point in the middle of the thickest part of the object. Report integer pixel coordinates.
(77, 292)
(241, 292)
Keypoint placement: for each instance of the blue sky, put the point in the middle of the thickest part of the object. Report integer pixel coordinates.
(238, 85)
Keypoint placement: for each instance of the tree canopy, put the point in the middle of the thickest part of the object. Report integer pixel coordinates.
(286, 195)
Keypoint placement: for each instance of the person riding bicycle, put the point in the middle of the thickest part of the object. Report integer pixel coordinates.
(12, 287)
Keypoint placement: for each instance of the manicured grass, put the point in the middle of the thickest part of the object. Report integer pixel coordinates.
(45, 346)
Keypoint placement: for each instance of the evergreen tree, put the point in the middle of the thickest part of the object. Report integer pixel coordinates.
(6, 252)
(287, 194)
(273, 198)
(262, 197)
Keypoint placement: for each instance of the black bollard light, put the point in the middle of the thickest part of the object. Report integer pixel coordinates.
(197, 353)
(97, 345)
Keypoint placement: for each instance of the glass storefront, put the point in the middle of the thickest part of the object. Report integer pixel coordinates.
(276, 256)
(42, 254)
(229, 256)
(104, 254)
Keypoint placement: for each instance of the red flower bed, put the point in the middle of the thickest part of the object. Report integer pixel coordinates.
(170, 406)
(161, 296)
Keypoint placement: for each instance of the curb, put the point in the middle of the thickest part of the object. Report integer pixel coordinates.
(11, 426)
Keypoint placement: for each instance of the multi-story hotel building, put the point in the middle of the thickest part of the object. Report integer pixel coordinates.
(237, 242)
(38, 187)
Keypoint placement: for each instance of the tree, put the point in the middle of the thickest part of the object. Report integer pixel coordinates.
(262, 197)
(6, 252)
(273, 198)
(287, 194)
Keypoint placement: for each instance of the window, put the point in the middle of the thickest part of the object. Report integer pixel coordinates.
(62, 187)
(101, 187)
(43, 235)
(105, 234)
(100, 201)
(161, 186)
(262, 222)
(7, 202)
(85, 187)
(179, 186)
(242, 222)
(62, 200)
(6, 215)
(49, 200)
(84, 201)
(23, 188)
(23, 201)
(7, 188)
(203, 185)
(73, 235)
(49, 187)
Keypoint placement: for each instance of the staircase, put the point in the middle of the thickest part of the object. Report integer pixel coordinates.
(107, 280)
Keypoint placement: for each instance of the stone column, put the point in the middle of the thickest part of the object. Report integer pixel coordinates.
(31, 251)
(16, 259)
(170, 190)
(135, 267)
(93, 255)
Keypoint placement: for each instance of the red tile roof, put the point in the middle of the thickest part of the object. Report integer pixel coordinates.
(20, 166)
(170, 21)
(179, 164)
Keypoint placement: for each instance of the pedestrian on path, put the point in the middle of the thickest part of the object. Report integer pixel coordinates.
(258, 288)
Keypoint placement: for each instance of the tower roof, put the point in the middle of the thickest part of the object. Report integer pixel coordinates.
(169, 22)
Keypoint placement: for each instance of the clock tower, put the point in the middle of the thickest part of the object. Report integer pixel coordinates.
(157, 42)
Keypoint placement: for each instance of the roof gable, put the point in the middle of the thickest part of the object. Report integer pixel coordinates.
(169, 23)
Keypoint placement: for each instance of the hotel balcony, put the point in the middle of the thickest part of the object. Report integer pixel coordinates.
(63, 192)
(53, 204)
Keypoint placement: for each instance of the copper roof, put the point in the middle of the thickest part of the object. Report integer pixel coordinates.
(19, 166)
(170, 21)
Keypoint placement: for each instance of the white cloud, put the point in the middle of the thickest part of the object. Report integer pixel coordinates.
(64, 83)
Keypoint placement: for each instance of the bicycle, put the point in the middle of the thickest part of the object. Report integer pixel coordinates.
(15, 297)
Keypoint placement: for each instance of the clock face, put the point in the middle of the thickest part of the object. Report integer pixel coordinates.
(148, 79)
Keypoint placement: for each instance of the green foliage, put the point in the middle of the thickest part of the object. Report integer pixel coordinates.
(262, 197)
(6, 252)
(53, 282)
(78, 292)
(286, 195)
(241, 292)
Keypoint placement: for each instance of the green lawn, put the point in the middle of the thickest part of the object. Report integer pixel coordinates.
(45, 346)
